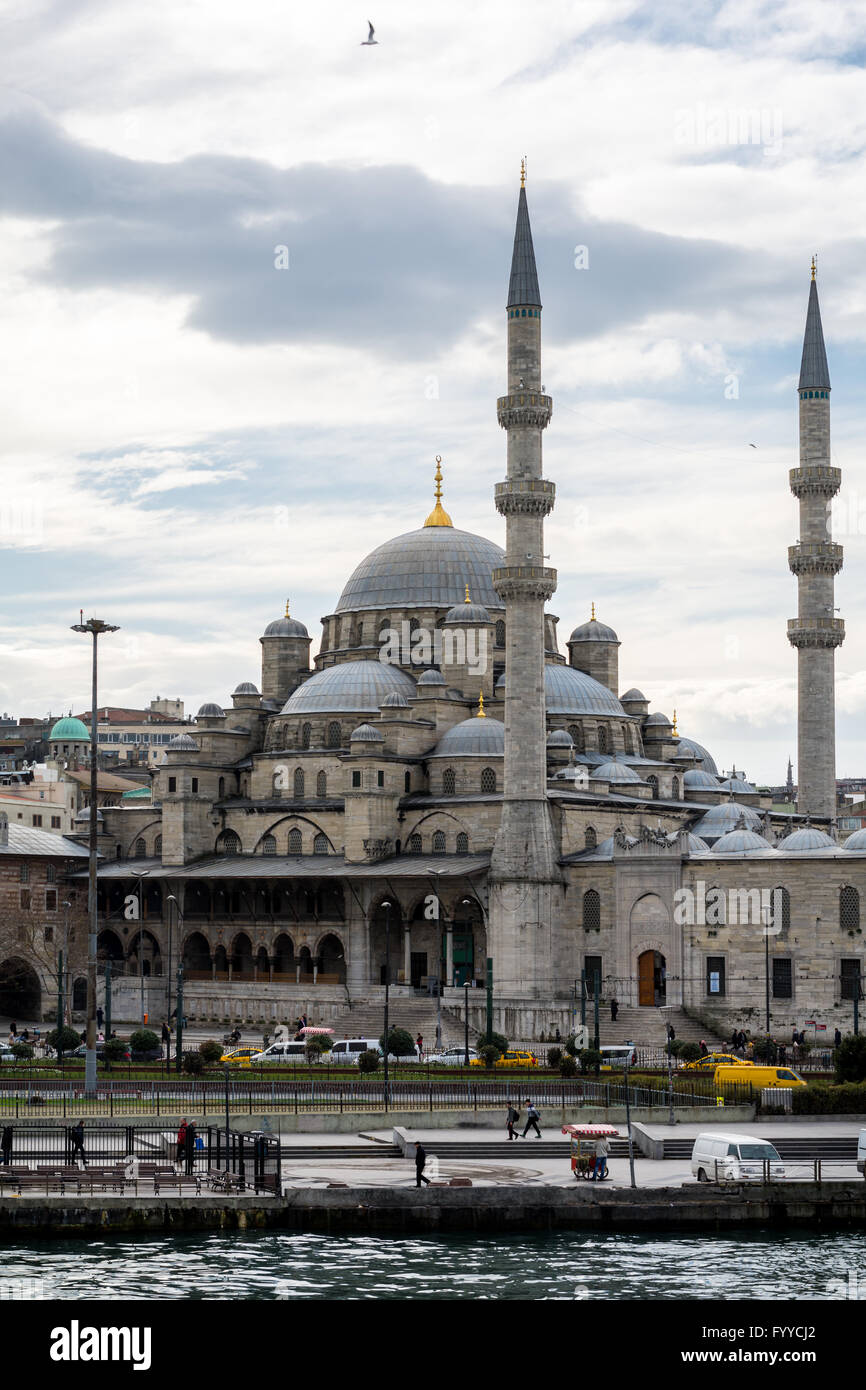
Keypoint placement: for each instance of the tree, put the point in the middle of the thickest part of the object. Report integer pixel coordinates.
(489, 1055)
(567, 1065)
(144, 1041)
(193, 1063)
(590, 1060)
(400, 1043)
(765, 1050)
(850, 1058)
(211, 1052)
(689, 1052)
(63, 1040)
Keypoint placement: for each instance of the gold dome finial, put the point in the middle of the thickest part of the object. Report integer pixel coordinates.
(592, 619)
(438, 516)
(467, 599)
(480, 712)
(676, 735)
(523, 172)
(287, 607)
(814, 265)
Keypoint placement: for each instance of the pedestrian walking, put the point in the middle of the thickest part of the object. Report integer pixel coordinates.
(76, 1135)
(532, 1118)
(602, 1149)
(511, 1120)
(166, 1040)
(420, 1164)
(419, 1044)
(189, 1146)
(100, 1018)
(181, 1142)
(671, 1033)
(704, 1048)
(614, 1010)
(837, 1038)
(6, 1146)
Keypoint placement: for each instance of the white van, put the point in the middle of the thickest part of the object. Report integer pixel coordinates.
(348, 1050)
(285, 1053)
(617, 1055)
(861, 1152)
(733, 1158)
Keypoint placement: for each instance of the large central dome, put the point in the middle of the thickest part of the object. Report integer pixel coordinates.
(427, 568)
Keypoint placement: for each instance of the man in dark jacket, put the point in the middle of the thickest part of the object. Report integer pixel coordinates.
(420, 1163)
(76, 1134)
(189, 1146)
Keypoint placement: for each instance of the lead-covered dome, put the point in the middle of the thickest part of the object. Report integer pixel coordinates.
(568, 691)
(856, 843)
(806, 839)
(593, 631)
(467, 612)
(615, 772)
(742, 842)
(696, 780)
(349, 687)
(480, 737)
(698, 752)
(427, 568)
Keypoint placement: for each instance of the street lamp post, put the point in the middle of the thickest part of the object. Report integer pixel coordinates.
(141, 874)
(96, 627)
(387, 907)
(172, 899)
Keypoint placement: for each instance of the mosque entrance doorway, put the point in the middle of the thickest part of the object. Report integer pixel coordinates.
(651, 973)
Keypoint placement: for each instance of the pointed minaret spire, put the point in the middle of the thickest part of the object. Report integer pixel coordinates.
(814, 372)
(523, 285)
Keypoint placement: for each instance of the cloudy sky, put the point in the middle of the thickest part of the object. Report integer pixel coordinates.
(190, 434)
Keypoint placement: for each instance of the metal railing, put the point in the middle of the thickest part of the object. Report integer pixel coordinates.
(774, 1170)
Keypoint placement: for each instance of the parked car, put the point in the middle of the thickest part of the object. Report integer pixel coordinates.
(348, 1050)
(6, 1053)
(239, 1056)
(510, 1059)
(716, 1059)
(734, 1158)
(283, 1053)
(452, 1057)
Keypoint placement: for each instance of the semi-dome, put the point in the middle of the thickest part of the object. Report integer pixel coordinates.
(396, 700)
(70, 730)
(246, 688)
(500, 684)
(856, 842)
(698, 752)
(427, 568)
(593, 631)
(467, 612)
(718, 820)
(568, 691)
(479, 737)
(183, 741)
(696, 779)
(365, 733)
(695, 844)
(806, 839)
(742, 842)
(615, 772)
(211, 711)
(348, 687)
(560, 738)
(431, 677)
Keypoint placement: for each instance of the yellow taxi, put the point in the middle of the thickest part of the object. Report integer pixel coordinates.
(509, 1059)
(716, 1059)
(239, 1056)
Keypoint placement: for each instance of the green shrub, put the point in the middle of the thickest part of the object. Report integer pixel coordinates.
(850, 1058)
(590, 1060)
(689, 1052)
(143, 1040)
(554, 1056)
(400, 1043)
(676, 1047)
(63, 1039)
(765, 1050)
(369, 1061)
(211, 1052)
(819, 1098)
(22, 1051)
(489, 1055)
(193, 1063)
(115, 1050)
(567, 1065)
(500, 1041)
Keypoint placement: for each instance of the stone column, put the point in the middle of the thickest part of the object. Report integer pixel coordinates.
(407, 953)
(449, 954)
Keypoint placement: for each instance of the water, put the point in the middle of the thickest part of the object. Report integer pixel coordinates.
(263, 1266)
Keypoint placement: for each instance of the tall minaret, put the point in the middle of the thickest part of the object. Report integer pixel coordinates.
(816, 631)
(525, 880)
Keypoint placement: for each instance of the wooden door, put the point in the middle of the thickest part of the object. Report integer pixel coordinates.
(646, 978)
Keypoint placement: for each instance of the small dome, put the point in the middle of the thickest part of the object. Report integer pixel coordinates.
(285, 627)
(350, 687)
(856, 842)
(719, 819)
(659, 719)
(742, 842)
(696, 845)
(84, 815)
(473, 738)
(431, 677)
(634, 695)
(365, 733)
(614, 771)
(246, 688)
(183, 741)
(698, 752)
(500, 683)
(210, 711)
(467, 613)
(71, 730)
(697, 778)
(396, 700)
(569, 691)
(593, 631)
(806, 839)
(560, 738)
(736, 784)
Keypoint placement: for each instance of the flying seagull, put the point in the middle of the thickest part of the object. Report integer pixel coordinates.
(753, 446)
(369, 39)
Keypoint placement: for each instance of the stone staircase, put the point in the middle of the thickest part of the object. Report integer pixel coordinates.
(417, 1014)
(647, 1027)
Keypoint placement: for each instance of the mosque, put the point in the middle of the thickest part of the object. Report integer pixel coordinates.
(438, 792)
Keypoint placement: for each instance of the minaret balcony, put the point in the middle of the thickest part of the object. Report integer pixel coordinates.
(816, 480)
(524, 582)
(816, 632)
(524, 408)
(525, 497)
(815, 557)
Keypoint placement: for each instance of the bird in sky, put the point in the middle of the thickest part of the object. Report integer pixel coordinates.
(753, 446)
(369, 39)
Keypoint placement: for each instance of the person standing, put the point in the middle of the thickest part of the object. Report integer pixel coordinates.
(602, 1149)
(511, 1119)
(837, 1038)
(6, 1146)
(166, 1040)
(420, 1164)
(181, 1142)
(614, 1010)
(532, 1118)
(419, 1045)
(76, 1135)
(100, 1018)
(189, 1146)
(704, 1048)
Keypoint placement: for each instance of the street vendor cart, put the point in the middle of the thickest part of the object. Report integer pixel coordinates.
(583, 1142)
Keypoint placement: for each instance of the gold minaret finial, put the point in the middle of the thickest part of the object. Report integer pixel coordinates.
(593, 613)
(523, 172)
(467, 598)
(814, 265)
(676, 735)
(438, 516)
(287, 607)
(481, 714)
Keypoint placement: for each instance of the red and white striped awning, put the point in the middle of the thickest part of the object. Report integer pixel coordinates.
(591, 1131)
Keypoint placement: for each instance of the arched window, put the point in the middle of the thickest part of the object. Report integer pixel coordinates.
(590, 838)
(448, 782)
(500, 633)
(627, 742)
(295, 842)
(306, 735)
(320, 844)
(269, 844)
(675, 788)
(413, 844)
(782, 911)
(439, 842)
(221, 789)
(488, 780)
(653, 784)
(277, 782)
(299, 784)
(157, 845)
(335, 734)
(602, 739)
(576, 731)
(462, 843)
(407, 783)
(849, 909)
(322, 785)
(140, 848)
(228, 843)
(591, 910)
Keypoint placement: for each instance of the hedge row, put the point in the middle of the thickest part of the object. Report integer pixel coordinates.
(818, 1098)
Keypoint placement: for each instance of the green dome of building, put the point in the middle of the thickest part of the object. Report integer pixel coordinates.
(69, 730)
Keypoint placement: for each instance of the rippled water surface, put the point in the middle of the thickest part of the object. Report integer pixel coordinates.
(562, 1266)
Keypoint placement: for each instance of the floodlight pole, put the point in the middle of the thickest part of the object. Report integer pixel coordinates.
(96, 627)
